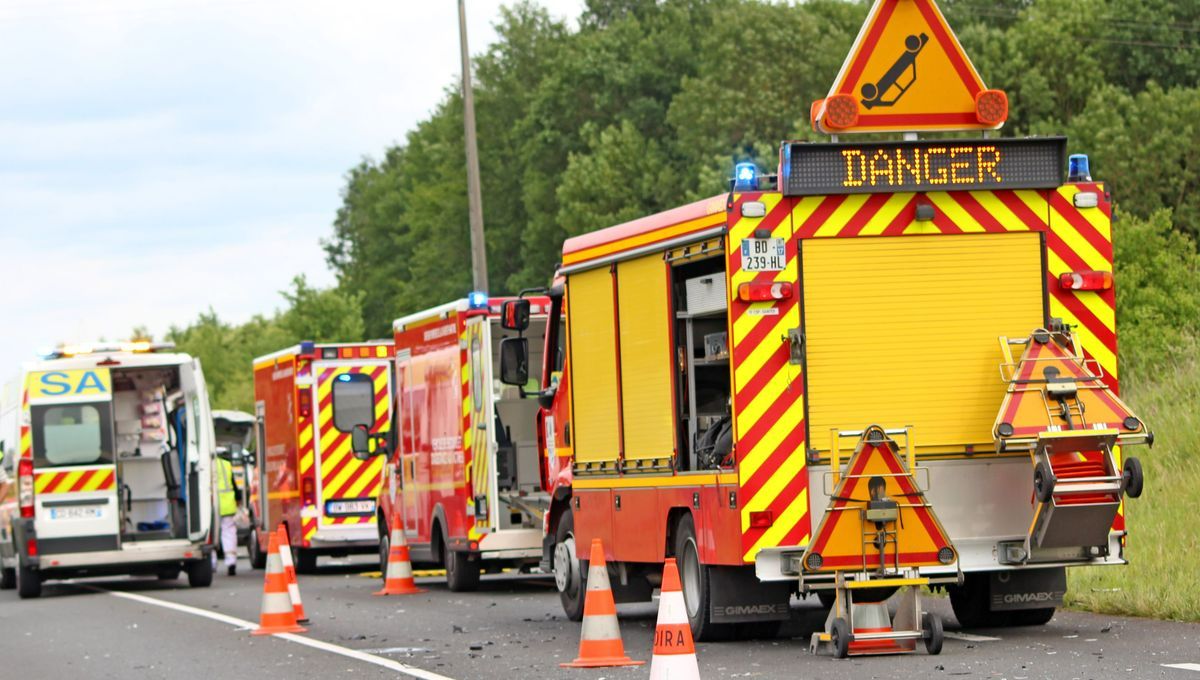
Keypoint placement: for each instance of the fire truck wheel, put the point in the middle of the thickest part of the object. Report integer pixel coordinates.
(258, 558)
(1043, 483)
(1031, 617)
(933, 633)
(462, 572)
(1133, 477)
(694, 577)
(8, 579)
(29, 583)
(305, 561)
(200, 573)
(839, 637)
(972, 603)
(385, 547)
(569, 575)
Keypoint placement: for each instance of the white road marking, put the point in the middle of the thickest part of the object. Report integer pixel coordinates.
(1183, 666)
(410, 671)
(968, 637)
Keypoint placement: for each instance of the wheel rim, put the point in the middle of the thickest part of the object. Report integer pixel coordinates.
(566, 565)
(691, 578)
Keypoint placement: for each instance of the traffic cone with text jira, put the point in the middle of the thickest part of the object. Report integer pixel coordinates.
(398, 579)
(289, 570)
(278, 614)
(674, 651)
(600, 643)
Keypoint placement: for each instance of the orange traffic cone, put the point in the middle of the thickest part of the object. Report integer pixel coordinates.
(278, 615)
(674, 652)
(600, 644)
(399, 577)
(289, 570)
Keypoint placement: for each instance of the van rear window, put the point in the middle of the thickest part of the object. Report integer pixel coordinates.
(353, 401)
(72, 434)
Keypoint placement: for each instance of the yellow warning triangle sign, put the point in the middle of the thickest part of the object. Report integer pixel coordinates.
(908, 72)
(849, 537)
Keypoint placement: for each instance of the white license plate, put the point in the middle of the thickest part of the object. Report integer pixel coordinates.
(76, 512)
(350, 507)
(763, 254)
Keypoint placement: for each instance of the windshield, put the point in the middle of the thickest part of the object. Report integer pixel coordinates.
(72, 434)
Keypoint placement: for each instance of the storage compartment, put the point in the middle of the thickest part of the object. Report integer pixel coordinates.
(148, 464)
(702, 355)
(706, 294)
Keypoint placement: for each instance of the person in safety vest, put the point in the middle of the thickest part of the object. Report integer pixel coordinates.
(227, 502)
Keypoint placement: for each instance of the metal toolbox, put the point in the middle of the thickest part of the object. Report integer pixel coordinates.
(705, 293)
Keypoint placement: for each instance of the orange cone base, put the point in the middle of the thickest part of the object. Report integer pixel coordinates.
(399, 590)
(603, 662)
(283, 625)
(601, 654)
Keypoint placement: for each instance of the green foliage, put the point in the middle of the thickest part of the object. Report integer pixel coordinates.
(227, 350)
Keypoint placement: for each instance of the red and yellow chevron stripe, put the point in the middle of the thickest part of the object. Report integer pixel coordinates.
(478, 467)
(768, 391)
(343, 475)
(957, 212)
(75, 480)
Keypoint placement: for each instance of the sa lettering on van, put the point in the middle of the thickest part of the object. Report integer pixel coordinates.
(70, 385)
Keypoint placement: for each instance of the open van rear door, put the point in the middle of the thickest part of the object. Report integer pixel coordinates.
(200, 437)
(74, 457)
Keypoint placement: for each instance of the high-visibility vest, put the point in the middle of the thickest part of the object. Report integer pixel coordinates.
(226, 499)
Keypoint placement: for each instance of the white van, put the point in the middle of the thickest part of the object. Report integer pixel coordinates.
(110, 453)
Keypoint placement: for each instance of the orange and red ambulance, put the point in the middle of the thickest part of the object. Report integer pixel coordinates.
(462, 475)
(716, 352)
(308, 400)
(110, 449)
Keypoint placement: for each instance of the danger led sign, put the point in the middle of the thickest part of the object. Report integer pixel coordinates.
(947, 165)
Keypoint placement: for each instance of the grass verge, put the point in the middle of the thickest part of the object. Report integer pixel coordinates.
(1162, 579)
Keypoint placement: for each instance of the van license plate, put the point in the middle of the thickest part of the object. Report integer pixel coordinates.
(76, 512)
(366, 507)
(763, 254)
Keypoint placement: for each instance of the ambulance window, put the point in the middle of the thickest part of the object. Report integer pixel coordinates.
(72, 434)
(353, 401)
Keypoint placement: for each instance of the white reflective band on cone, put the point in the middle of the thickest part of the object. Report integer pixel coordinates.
(671, 608)
(674, 667)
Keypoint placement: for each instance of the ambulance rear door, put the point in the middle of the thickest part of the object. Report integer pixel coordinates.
(349, 393)
(200, 450)
(74, 459)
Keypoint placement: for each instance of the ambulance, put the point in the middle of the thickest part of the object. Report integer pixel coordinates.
(462, 476)
(308, 399)
(111, 451)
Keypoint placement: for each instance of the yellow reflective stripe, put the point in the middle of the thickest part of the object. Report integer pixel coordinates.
(841, 215)
(792, 466)
(783, 524)
(887, 213)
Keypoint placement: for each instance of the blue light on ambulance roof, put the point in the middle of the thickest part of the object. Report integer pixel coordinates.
(477, 299)
(345, 377)
(745, 177)
(1077, 168)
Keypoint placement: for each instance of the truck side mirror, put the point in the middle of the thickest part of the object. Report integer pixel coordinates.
(365, 445)
(514, 315)
(514, 360)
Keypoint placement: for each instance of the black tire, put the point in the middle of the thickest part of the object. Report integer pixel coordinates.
(304, 560)
(8, 578)
(839, 638)
(933, 633)
(1043, 483)
(384, 548)
(1031, 617)
(462, 572)
(571, 585)
(258, 557)
(972, 603)
(200, 573)
(694, 578)
(1134, 481)
(29, 582)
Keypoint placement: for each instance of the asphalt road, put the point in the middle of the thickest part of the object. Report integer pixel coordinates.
(512, 627)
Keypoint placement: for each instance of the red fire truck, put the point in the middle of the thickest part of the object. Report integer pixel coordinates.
(308, 400)
(462, 475)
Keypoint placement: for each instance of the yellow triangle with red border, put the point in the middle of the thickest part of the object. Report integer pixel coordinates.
(843, 539)
(908, 72)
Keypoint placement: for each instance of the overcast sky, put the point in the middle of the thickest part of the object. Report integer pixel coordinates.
(158, 157)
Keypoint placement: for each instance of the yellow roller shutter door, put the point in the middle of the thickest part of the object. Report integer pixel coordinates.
(903, 331)
(646, 389)
(594, 367)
